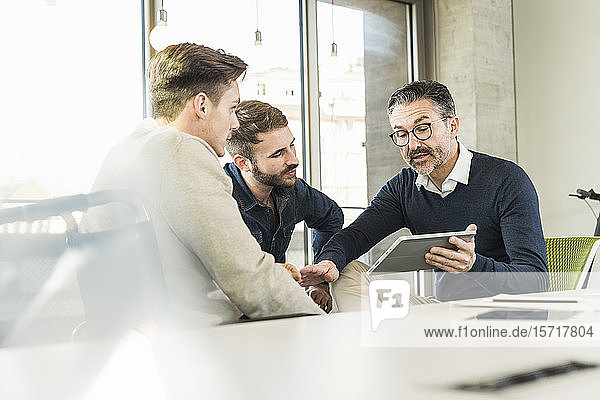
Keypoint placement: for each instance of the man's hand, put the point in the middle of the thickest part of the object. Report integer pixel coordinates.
(454, 261)
(317, 273)
(293, 271)
(320, 295)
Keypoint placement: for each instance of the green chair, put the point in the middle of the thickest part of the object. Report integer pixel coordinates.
(570, 261)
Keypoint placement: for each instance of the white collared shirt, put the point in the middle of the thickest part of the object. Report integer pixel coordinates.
(460, 173)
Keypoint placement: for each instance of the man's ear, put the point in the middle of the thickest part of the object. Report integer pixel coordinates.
(242, 162)
(453, 126)
(201, 104)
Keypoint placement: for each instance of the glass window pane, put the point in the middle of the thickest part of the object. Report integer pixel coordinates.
(71, 78)
(357, 155)
(342, 104)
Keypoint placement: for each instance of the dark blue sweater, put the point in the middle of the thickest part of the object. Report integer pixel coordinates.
(500, 199)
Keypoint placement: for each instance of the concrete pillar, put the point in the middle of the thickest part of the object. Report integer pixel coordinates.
(475, 57)
(386, 69)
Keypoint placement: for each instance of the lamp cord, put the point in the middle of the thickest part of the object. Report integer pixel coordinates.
(332, 28)
(256, 14)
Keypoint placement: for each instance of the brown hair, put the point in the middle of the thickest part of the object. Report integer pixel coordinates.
(181, 71)
(255, 117)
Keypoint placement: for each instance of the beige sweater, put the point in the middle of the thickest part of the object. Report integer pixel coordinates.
(203, 241)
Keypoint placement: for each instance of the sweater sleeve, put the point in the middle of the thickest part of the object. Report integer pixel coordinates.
(319, 212)
(195, 197)
(526, 270)
(383, 217)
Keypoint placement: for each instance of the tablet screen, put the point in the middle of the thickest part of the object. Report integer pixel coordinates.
(407, 253)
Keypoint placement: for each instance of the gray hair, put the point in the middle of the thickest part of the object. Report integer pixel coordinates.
(417, 90)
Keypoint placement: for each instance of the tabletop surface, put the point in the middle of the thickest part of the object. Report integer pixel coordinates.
(330, 356)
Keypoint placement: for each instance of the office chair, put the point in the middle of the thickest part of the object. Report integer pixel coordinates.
(570, 261)
(27, 260)
(113, 277)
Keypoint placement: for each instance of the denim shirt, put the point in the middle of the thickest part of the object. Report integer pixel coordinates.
(295, 204)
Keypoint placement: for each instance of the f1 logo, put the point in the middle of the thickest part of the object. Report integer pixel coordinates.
(388, 299)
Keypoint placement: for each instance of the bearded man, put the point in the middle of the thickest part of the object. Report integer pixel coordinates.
(447, 188)
(271, 199)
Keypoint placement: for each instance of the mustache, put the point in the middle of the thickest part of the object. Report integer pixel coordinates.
(290, 168)
(415, 153)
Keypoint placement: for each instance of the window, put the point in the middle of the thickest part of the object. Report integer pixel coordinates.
(342, 105)
(71, 78)
(372, 60)
(261, 89)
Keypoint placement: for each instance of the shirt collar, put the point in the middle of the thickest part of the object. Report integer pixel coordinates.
(459, 174)
(243, 194)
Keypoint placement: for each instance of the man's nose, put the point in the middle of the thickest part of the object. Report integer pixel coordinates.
(235, 123)
(292, 159)
(413, 142)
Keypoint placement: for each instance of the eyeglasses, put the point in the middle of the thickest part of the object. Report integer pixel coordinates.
(421, 132)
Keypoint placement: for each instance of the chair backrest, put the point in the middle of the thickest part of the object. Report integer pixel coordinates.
(570, 260)
(114, 275)
(28, 265)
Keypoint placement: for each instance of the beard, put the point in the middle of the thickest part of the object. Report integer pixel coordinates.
(275, 180)
(437, 156)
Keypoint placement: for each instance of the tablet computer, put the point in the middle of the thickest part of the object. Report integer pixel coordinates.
(407, 253)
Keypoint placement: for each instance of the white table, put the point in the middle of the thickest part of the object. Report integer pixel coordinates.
(300, 358)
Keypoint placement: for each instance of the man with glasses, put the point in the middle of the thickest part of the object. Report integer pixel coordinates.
(447, 188)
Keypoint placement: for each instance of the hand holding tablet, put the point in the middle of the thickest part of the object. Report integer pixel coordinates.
(457, 260)
(451, 251)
